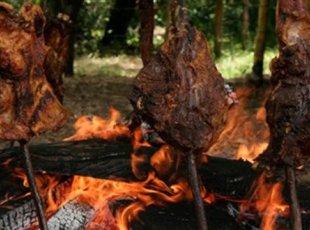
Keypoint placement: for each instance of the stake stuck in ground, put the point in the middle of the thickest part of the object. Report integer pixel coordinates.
(194, 183)
(33, 186)
(294, 203)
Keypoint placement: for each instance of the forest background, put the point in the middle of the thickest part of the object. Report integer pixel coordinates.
(105, 34)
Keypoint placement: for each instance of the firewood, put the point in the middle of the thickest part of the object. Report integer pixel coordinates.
(73, 215)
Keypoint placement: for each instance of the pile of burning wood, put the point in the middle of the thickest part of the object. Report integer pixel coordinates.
(182, 99)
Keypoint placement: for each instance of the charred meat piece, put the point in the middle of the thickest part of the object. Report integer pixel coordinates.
(56, 34)
(181, 93)
(28, 105)
(288, 106)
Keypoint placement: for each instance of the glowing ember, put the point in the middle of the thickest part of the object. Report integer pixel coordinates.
(267, 200)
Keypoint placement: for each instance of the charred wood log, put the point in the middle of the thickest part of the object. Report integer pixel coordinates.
(110, 159)
(21, 216)
(104, 159)
(73, 215)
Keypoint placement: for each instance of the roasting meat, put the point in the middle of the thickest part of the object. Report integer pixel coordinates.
(181, 93)
(28, 105)
(288, 106)
(56, 34)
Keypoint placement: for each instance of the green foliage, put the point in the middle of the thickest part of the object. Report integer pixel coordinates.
(240, 63)
(91, 23)
(94, 16)
(15, 3)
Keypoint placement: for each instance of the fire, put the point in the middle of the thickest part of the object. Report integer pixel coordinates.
(161, 183)
(98, 127)
(267, 200)
(99, 193)
(246, 134)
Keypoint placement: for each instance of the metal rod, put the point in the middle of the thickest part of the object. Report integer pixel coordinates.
(33, 186)
(198, 201)
(295, 214)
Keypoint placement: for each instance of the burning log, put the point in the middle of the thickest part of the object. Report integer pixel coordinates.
(89, 151)
(22, 216)
(72, 215)
(288, 105)
(28, 104)
(105, 159)
(111, 159)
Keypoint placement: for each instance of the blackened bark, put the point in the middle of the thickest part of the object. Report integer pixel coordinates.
(103, 159)
(146, 13)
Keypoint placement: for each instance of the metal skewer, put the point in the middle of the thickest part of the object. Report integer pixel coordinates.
(33, 186)
(295, 214)
(198, 201)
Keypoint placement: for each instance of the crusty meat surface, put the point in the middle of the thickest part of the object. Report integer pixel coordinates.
(181, 93)
(288, 106)
(56, 34)
(28, 105)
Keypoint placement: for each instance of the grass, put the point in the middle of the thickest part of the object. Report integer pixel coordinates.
(119, 66)
(240, 63)
(231, 64)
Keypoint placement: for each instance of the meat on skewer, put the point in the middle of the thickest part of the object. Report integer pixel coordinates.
(181, 94)
(28, 106)
(288, 106)
(56, 33)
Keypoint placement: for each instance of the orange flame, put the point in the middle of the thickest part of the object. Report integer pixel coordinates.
(99, 193)
(267, 200)
(246, 134)
(98, 127)
(239, 138)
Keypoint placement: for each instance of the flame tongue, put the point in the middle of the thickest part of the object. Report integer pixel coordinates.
(98, 127)
(246, 134)
(99, 194)
(267, 200)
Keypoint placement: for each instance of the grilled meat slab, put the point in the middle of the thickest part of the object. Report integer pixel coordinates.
(28, 105)
(181, 93)
(288, 106)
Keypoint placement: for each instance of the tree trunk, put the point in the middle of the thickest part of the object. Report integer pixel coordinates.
(52, 7)
(245, 24)
(146, 14)
(116, 28)
(219, 13)
(260, 42)
(76, 5)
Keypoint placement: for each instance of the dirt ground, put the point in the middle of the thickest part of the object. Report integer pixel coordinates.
(89, 95)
